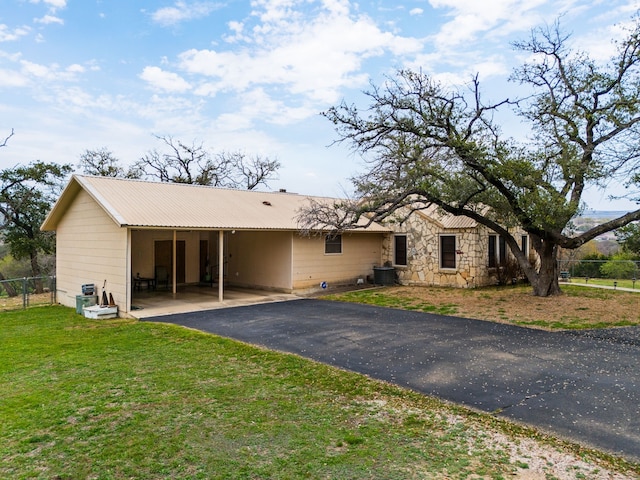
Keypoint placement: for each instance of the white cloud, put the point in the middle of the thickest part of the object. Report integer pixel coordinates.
(11, 78)
(416, 11)
(9, 35)
(470, 18)
(183, 11)
(163, 80)
(258, 104)
(25, 72)
(314, 56)
(52, 3)
(53, 7)
(32, 69)
(75, 68)
(49, 19)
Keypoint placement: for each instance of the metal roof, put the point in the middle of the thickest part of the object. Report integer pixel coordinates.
(446, 220)
(136, 203)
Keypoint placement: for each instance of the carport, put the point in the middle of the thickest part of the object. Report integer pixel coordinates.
(164, 259)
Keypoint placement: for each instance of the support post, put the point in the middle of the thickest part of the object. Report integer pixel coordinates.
(220, 265)
(175, 262)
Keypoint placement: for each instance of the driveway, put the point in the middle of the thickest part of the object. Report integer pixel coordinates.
(583, 386)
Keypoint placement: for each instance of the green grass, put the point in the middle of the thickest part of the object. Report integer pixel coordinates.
(384, 299)
(603, 281)
(120, 399)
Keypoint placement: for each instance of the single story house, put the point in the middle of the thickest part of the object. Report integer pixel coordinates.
(121, 233)
(127, 234)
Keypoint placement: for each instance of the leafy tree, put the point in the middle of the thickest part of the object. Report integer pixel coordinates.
(103, 163)
(26, 195)
(620, 266)
(427, 144)
(192, 163)
(589, 265)
(629, 237)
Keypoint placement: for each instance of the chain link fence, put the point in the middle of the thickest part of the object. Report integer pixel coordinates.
(615, 273)
(25, 292)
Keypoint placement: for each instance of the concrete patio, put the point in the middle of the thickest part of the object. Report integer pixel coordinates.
(193, 298)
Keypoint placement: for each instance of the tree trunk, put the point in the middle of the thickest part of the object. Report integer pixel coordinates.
(545, 282)
(11, 291)
(36, 272)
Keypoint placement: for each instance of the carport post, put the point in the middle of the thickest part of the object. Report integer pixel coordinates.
(175, 262)
(220, 265)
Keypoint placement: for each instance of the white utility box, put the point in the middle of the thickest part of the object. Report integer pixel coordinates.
(100, 313)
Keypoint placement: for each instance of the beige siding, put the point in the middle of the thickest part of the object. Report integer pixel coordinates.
(311, 266)
(259, 259)
(143, 251)
(91, 248)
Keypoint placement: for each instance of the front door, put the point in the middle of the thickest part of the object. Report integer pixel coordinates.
(163, 257)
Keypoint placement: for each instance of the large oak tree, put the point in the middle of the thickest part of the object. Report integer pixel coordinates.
(428, 144)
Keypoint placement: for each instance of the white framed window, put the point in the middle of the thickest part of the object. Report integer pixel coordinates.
(493, 257)
(497, 251)
(333, 244)
(447, 251)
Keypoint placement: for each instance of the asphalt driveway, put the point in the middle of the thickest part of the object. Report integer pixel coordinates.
(583, 386)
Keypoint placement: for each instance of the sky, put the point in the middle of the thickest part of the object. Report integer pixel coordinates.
(254, 76)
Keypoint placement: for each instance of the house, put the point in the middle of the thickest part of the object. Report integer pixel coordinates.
(438, 249)
(131, 234)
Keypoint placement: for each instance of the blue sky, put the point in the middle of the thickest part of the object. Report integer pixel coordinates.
(253, 75)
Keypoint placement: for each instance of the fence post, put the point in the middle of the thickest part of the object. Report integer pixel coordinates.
(24, 292)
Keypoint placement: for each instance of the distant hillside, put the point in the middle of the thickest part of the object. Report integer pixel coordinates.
(602, 213)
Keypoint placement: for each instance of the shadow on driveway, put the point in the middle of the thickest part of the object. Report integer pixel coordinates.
(583, 386)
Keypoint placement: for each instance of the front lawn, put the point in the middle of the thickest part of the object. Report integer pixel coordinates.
(577, 308)
(120, 399)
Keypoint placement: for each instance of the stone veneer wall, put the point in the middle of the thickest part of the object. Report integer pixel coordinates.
(423, 256)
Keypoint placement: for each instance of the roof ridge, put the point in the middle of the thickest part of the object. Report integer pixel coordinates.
(193, 185)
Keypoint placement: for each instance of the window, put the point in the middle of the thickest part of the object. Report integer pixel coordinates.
(497, 251)
(447, 251)
(400, 250)
(503, 250)
(524, 245)
(333, 244)
(492, 251)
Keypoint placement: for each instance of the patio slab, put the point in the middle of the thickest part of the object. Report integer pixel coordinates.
(195, 298)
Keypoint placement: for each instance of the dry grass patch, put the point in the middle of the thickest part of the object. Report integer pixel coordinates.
(577, 308)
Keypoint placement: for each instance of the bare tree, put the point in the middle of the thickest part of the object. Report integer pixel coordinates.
(193, 163)
(4, 143)
(248, 171)
(103, 163)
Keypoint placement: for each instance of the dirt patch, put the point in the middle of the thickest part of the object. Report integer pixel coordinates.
(15, 303)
